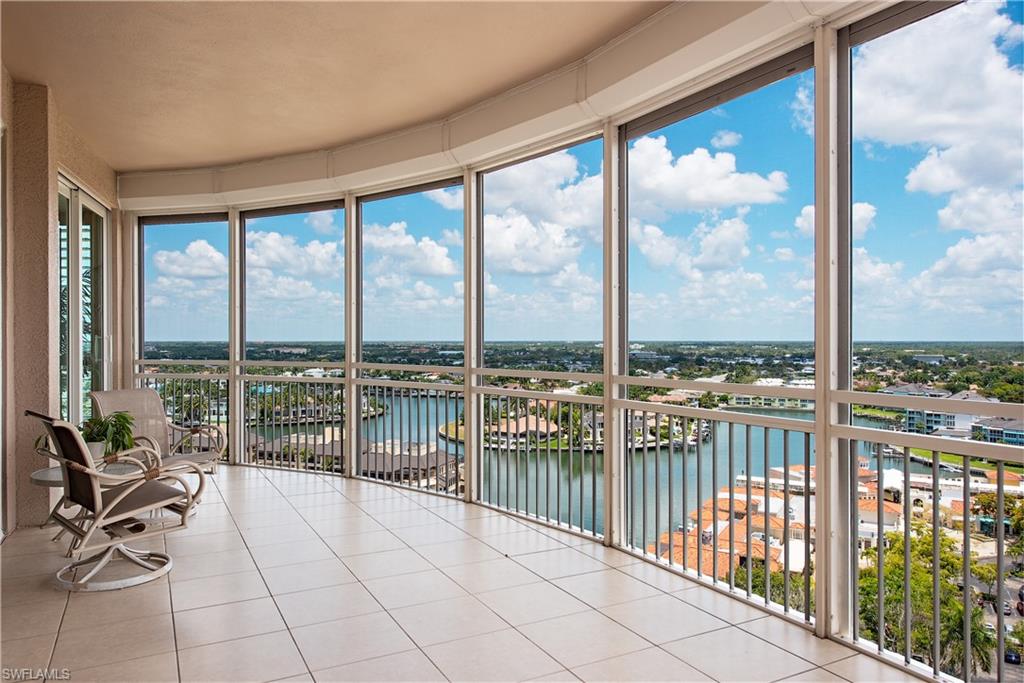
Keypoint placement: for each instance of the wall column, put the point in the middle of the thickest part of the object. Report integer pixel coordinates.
(34, 296)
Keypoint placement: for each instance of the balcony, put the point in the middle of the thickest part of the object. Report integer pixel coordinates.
(287, 575)
(697, 356)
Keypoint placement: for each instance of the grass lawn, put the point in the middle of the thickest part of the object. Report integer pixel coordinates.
(954, 459)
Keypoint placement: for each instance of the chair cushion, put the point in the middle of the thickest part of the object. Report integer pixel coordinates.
(151, 494)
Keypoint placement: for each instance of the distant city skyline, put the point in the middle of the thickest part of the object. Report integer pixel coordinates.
(721, 223)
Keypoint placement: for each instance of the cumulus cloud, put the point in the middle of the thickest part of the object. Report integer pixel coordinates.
(199, 259)
(273, 251)
(513, 243)
(421, 257)
(322, 222)
(802, 107)
(784, 254)
(962, 103)
(661, 183)
(726, 138)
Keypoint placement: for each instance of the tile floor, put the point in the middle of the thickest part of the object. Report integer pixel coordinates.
(294, 576)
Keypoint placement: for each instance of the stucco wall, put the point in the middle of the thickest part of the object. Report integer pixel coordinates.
(40, 145)
(7, 442)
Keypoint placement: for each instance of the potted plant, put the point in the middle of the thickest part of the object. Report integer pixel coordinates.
(110, 434)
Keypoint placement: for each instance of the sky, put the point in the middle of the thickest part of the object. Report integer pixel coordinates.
(720, 222)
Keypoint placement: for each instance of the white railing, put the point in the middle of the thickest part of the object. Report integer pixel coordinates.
(729, 497)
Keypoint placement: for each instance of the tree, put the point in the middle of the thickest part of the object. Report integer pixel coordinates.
(1017, 634)
(951, 628)
(707, 400)
(949, 568)
(987, 574)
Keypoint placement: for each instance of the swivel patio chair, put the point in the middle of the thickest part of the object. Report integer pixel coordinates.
(202, 444)
(112, 507)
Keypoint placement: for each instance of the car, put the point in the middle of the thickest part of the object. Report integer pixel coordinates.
(1006, 608)
(1012, 657)
(1020, 593)
(1020, 607)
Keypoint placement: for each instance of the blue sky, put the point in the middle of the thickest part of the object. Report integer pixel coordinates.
(720, 222)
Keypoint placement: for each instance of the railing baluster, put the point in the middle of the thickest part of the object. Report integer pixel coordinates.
(685, 516)
(880, 554)
(732, 509)
(906, 556)
(714, 501)
(1000, 594)
(671, 486)
(807, 525)
(767, 540)
(785, 520)
(583, 457)
(700, 498)
(936, 627)
(854, 538)
(968, 604)
(593, 473)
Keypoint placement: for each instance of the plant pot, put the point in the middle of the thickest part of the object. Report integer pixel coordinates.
(97, 449)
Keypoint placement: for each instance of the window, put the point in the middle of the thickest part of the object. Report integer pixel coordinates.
(412, 281)
(184, 283)
(720, 221)
(294, 283)
(543, 262)
(81, 223)
(936, 156)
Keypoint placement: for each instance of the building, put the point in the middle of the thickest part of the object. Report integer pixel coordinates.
(1000, 430)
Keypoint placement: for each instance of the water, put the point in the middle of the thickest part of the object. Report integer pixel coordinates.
(570, 488)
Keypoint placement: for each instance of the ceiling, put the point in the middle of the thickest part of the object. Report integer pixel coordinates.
(158, 85)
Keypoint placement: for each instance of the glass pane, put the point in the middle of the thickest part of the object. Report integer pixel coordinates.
(92, 306)
(64, 255)
(938, 223)
(721, 241)
(412, 278)
(543, 263)
(185, 284)
(294, 287)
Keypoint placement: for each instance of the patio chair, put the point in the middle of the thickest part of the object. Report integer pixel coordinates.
(112, 508)
(202, 444)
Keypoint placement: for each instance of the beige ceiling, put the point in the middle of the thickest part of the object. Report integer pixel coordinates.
(181, 84)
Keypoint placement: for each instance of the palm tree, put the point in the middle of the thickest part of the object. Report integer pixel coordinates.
(983, 643)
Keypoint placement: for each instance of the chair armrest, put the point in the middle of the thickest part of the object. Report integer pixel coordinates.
(214, 432)
(152, 456)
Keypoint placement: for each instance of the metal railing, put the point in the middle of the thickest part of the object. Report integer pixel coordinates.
(724, 497)
(542, 455)
(191, 400)
(294, 422)
(728, 497)
(927, 555)
(412, 435)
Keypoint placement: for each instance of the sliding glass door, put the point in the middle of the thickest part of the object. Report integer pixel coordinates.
(82, 226)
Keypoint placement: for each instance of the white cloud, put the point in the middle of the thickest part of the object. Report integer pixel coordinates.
(283, 253)
(449, 198)
(421, 257)
(983, 210)
(452, 238)
(660, 183)
(962, 103)
(804, 223)
(515, 244)
(784, 254)
(802, 107)
(863, 219)
(199, 259)
(726, 138)
(659, 249)
(724, 245)
(322, 222)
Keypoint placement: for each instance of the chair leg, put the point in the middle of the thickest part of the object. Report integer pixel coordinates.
(156, 565)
